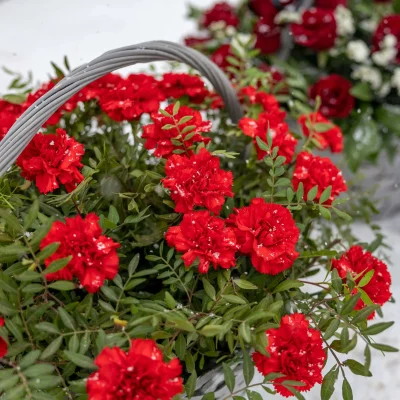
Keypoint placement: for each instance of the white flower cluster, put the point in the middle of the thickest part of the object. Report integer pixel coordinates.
(357, 51)
(387, 52)
(365, 73)
(344, 21)
(396, 80)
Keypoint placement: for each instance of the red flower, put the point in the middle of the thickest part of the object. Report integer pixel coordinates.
(278, 129)
(197, 181)
(317, 30)
(220, 56)
(313, 170)
(331, 135)
(330, 4)
(160, 139)
(139, 374)
(132, 97)
(296, 351)
(220, 12)
(196, 42)
(52, 159)
(276, 78)
(99, 87)
(268, 35)
(358, 263)
(334, 91)
(179, 85)
(9, 113)
(2, 322)
(389, 25)
(3, 347)
(204, 237)
(268, 233)
(268, 102)
(264, 8)
(94, 256)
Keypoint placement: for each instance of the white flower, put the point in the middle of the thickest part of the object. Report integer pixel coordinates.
(384, 90)
(286, 16)
(368, 74)
(385, 56)
(369, 25)
(389, 41)
(396, 80)
(358, 51)
(344, 21)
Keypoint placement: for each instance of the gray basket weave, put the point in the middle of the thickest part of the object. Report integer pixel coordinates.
(35, 116)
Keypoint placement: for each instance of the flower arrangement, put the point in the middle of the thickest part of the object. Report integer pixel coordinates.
(146, 240)
(347, 52)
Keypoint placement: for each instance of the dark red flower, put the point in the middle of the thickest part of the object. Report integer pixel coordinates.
(220, 12)
(139, 374)
(268, 35)
(196, 42)
(220, 56)
(264, 8)
(389, 25)
(9, 113)
(179, 85)
(317, 30)
(99, 87)
(51, 160)
(278, 129)
(334, 92)
(296, 351)
(268, 234)
(197, 181)
(94, 256)
(330, 4)
(160, 139)
(358, 263)
(323, 131)
(313, 170)
(206, 238)
(2, 322)
(132, 97)
(276, 78)
(3, 347)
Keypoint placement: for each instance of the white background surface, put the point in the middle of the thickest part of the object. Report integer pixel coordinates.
(35, 32)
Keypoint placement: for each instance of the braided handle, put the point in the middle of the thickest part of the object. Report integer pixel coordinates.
(36, 115)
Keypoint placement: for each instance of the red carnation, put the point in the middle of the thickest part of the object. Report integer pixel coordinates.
(264, 8)
(389, 25)
(220, 56)
(296, 351)
(220, 12)
(52, 159)
(313, 170)
(330, 4)
(204, 237)
(278, 129)
(334, 92)
(267, 232)
(268, 102)
(268, 35)
(139, 374)
(94, 256)
(331, 135)
(3, 347)
(9, 114)
(358, 263)
(317, 30)
(99, 87)
(179, 85)
(160, 139)
(197, 181)
(132, 97)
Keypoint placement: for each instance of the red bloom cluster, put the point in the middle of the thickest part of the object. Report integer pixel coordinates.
(358, 263)
(220, 56)
(3, 343)
(101, 86)
(296, 351)
(52, 159)
(331, 136)
(94, 256)
(197, 181)
(334, 92)
(206, 238)
(179, 85)
(313, 170)
(160, 139)
(389, 25)
(220, 12)
(330, 4)
(9, 113)
(139, 374)
(268, 233)
(317, 30)
(268, 34)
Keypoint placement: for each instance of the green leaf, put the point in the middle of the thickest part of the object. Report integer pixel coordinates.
(32, 214)
(244, 332)
(51, 348)
(362, 91)
(347, 393)
(208, 396)
(38, 370)
(376, 328)
(230, 298)
(357, 368)
(29, 359)
(14, 98)
(312, 193)
(325, 195)
(56, 265)
(348, 307)
(337, 282)
(248, 368)
(190, 386)
(262, 145)
(171, 302)
(366, 278)
(180, 346)
(328, 383)
(364, 313)
(325, 213)
(342, 214)
(80, 360)
(288, 284)
(113, 215)
(62, 285)
(229, 377)
(212, 330)
(332, 328)
(246, 285)
(176, 107)
(384, 347)
(209, 289)
(133, 265)
(7, 309)
(8, 382)
(45, 382)
(67, 320)
(48, 251)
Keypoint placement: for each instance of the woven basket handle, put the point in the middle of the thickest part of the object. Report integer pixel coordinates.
(36, 115)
